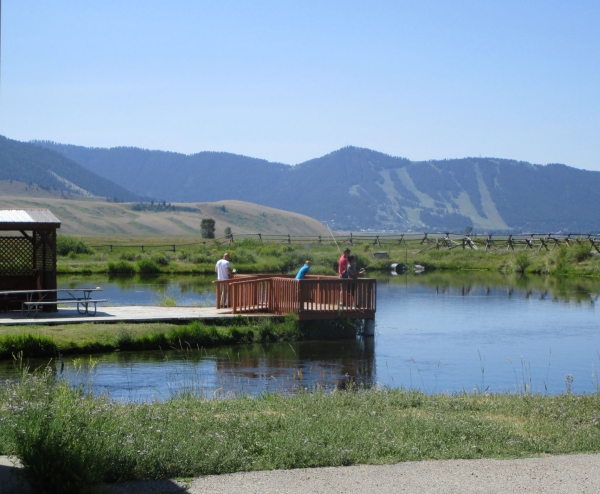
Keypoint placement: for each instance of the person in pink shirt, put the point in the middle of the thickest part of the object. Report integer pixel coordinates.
(343, 263)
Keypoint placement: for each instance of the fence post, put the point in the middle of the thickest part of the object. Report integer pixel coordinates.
(289, 239)
(142, 248)
(319, 238)
(110, 247)
(260, 237)
(351, 240)
(174, 248)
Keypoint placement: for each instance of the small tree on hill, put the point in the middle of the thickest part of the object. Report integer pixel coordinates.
(227, 231)
(207, 228)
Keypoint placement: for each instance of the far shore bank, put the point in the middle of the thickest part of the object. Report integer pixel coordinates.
(153, 256)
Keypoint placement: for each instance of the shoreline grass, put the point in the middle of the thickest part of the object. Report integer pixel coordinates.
(252, 256)
(90, 338)
(56, 431)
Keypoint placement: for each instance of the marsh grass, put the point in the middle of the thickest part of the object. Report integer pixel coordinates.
(48, 341)
(252, 256)
(70, 440)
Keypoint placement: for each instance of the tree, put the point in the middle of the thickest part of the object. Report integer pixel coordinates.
(207, 228)
(227, 231)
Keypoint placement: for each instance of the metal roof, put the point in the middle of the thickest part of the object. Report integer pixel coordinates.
(27, 218)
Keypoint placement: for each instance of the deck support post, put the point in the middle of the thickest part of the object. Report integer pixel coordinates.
(369, 327)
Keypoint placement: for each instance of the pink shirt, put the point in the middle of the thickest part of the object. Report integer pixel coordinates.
(342, 265)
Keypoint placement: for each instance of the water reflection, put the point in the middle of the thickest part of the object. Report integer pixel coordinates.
(249, 369)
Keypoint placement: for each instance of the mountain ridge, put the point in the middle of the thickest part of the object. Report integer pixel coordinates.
(358, 188)
(24, 162)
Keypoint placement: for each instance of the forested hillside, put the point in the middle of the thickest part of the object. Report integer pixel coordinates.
(355, 188)
(25, 162)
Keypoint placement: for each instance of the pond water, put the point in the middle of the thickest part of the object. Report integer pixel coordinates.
(437, 332)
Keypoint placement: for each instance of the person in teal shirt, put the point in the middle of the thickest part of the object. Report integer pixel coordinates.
(304, 270)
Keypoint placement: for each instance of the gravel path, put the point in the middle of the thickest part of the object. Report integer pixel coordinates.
(551, 474)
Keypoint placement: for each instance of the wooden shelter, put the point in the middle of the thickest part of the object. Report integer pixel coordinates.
(27, 252)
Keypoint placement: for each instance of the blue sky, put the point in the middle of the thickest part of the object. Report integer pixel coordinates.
(290, 80)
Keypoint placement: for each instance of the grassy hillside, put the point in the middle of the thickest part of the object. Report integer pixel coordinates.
(93, 217)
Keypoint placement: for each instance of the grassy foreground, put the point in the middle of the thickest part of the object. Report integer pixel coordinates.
(86, 338)
(70, 441)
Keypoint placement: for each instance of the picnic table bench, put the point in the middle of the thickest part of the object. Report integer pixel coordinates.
(81, 297)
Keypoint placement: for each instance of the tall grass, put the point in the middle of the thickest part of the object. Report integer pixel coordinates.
(252, 256)
(193, 335)
(70, 440)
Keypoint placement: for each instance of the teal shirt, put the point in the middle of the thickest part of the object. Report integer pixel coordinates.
(303, 270)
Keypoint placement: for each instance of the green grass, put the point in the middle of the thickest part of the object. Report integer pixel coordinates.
(48, 341)
(252, 256)
(69, 440)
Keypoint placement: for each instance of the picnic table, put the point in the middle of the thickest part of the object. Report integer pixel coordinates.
(34, 299)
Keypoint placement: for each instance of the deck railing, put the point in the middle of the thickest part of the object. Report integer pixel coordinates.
(316, 297)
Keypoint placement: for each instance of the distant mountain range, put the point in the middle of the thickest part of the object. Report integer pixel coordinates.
(25, 162)
(355, 188)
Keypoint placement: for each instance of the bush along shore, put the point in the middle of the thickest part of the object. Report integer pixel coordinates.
(71, 441)
(76, 256)
(87, 338)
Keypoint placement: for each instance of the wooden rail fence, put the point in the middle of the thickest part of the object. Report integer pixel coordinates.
(422, 241)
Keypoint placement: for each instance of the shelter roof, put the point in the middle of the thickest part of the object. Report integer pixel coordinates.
(27, 219)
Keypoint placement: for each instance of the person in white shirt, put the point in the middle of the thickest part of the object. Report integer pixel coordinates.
(223, 269)
(224, 272)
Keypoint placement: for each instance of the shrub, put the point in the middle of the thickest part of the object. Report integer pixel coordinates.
(183, 255)
(129, 256)
(202, 259)
(561, 258)
(160, 259)
(121, 267)
(148, 266)
(581, 252)
(522, 261)
(66, 245)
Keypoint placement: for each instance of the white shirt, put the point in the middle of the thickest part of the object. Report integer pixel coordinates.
(222, 269)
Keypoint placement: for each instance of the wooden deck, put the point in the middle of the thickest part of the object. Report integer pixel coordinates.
(313, 298)
(135, 313)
